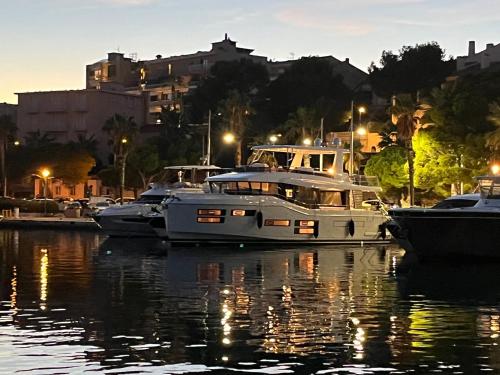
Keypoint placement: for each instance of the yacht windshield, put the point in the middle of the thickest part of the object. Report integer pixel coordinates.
(489, 189)
(152, 199)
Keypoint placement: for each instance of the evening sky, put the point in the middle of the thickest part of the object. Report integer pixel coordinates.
(47, 43)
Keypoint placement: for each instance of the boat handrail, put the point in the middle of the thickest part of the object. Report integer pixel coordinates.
(363, 180)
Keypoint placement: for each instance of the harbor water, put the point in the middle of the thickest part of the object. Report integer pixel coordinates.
(72, 302)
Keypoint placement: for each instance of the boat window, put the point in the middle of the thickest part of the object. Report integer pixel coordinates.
(254, 188)
(150, 199)
(307, 196)
(333, 198)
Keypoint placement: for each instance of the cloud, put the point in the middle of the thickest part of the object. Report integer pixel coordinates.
(321, 21)
(128, 2)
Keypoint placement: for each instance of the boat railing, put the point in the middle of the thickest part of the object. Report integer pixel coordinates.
(363, 180)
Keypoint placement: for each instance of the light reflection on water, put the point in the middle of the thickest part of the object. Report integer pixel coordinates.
(74, 301)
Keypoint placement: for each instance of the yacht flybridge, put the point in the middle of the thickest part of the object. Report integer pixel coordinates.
(295, 202)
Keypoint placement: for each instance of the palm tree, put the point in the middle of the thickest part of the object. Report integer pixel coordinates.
(38, 140)
(235, 112)
(493, 138)
(301, 125)
(407, 116)
(7, 130)
(122, 133)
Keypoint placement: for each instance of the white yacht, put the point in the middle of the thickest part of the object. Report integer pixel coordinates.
(144, 217)
(264, 202)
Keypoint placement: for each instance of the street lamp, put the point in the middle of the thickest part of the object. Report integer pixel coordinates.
(228, 138)
(361, 110)
(361, 131)
(495, 169)
(45, 175)
(273, 139)
(307, 142)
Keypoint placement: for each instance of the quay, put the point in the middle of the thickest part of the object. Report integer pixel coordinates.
(53, 222)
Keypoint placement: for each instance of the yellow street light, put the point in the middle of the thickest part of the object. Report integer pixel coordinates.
(495, 169)
(361, 131)
(307, 142)
(17, 143)
(273, 139)
(228, 138)
(124, 140)
(330, 170)
(45, 173)
(362, 110)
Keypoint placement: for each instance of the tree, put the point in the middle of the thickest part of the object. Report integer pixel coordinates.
(236, 111)
(144, 162)
(72, 165)
(122, 133)
(436, 166)
(493, 137)
(309, 82)
(390, 166)
(39, 140)
(177, 142)
(418, 68)
(407, 116)
(244, 76)
(7, 130)
(302, 124)
(459, 112)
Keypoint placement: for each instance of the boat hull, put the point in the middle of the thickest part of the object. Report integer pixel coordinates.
(434, 233)
(130, 226)
(269, 219)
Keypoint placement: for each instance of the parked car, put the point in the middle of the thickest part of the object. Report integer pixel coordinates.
(99, 206)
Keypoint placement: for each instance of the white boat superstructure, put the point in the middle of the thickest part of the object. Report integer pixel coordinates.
(295, 203)
(144, 217)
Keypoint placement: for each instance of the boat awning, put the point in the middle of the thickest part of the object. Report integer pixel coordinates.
(293, 149)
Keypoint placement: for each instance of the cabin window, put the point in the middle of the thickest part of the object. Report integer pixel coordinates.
(304, 230)
(210, 220)
(333, 198)
(276, 223)
(243, 213)
(307, 196)
(212, 212)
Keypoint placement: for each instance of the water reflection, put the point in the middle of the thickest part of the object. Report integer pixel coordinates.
(95, 304)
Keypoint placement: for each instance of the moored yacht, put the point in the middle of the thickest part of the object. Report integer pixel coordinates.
(264, 202)
(452, 233)
(144, 217)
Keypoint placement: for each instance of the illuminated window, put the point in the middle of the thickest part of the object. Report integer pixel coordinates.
(289, 193)
(304, 223)
(276, 223)
(304, 230)
(210, 220)
(212, 212)
(169, 69)
(243, 213)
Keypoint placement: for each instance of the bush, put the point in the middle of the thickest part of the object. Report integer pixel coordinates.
(29, 206)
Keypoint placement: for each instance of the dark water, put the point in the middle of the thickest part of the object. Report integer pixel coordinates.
(75, 302)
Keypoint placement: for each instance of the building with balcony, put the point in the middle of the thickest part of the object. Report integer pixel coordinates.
(164, 79)
(66, 115)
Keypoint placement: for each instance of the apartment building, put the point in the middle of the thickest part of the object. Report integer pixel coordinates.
(164, 79)
(485, 59)
(66, 115)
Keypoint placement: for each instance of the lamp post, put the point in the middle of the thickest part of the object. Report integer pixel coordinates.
(351, 148)
(122, 168)
(45, 175)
